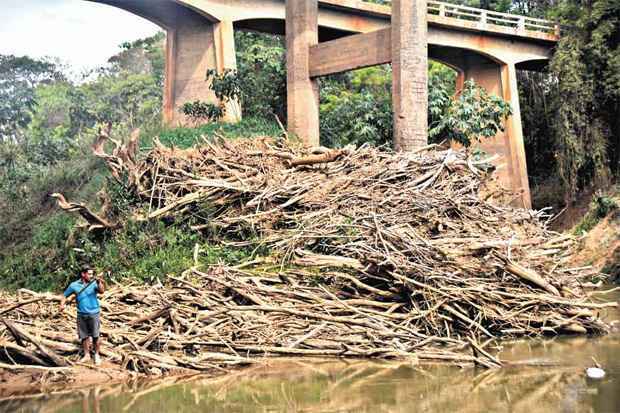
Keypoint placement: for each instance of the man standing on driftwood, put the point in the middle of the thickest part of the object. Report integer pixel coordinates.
(88, 322)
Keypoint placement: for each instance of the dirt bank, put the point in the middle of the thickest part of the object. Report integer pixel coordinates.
(600, 247)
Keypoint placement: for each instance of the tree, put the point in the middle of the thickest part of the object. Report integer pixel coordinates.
(128, 99)
(19, 77)
(472, 115)
(53, 132)
(587, 121)
(143, 56)
(261, 69)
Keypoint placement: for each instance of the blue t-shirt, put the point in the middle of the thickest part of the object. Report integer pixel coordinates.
(87, 303)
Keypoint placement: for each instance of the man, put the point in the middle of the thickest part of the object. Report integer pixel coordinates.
(88, 322)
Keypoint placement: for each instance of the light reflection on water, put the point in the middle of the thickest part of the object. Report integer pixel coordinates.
(558, 384)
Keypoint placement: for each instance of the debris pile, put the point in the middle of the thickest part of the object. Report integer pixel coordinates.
(371, 254)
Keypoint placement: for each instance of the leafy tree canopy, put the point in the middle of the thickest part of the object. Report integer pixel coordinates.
(19, 77)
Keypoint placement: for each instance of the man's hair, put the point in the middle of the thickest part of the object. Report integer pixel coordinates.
(85, 268)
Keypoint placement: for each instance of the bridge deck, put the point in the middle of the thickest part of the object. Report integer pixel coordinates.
(464, 18)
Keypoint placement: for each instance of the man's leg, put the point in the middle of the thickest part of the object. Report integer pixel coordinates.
(84, 337)
(97, 346)
(85, 349)
(96, 341)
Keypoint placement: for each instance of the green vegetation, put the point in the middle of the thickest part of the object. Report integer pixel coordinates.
(601, 206)
(247, 128)
(149, 251)
(199, 111)
(357, 108)
(42, 250)
(19, 78)
(47, 126)
(473, 114)
(587, 63)
(140, 251)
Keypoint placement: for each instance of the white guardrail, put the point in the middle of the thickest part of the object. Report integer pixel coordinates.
(521, 24)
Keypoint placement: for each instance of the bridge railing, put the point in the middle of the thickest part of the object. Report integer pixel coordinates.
(483, 18)
(521, 24)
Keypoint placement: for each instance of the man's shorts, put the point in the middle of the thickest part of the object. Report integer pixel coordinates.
(88, 325)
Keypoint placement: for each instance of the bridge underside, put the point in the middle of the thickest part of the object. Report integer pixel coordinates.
(200, 36)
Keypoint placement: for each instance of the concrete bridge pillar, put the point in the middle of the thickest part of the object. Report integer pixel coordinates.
(409, 73)
(514, 133)
(302, 32)
(194, 46)
(501, 80)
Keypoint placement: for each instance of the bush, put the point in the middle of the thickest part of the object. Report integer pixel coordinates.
(143, 251)
(600, 207)
(199, 111)
(53, 232)
(356, 118)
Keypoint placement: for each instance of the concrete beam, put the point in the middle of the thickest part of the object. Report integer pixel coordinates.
(302, 32)
(409, 74)
(350, 53)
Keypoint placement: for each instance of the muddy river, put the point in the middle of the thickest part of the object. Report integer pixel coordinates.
(551, 379)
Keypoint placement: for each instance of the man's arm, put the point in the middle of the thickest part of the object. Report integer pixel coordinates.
(100, 284)
(63, 298)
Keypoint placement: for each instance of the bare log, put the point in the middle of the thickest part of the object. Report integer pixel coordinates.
(531, 276)
(24, 336)
(326, 157)
(94, 221)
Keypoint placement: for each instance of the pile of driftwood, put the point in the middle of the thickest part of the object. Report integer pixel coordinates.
(371, 254)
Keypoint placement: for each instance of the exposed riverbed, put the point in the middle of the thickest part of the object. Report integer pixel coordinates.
(557, 383)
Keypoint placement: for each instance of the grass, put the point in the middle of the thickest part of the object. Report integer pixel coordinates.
(142, 251)
(187, 137)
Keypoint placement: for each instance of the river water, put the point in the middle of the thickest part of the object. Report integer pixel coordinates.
(553, 380)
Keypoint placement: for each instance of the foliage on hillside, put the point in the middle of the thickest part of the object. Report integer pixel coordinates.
(587, 63)
(41, 249)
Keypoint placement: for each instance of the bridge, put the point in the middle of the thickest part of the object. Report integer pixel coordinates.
(332, 36)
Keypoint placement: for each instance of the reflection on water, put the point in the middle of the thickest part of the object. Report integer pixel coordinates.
(556, 384)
